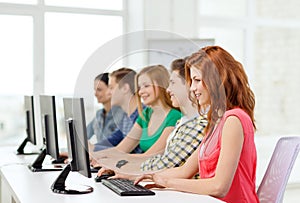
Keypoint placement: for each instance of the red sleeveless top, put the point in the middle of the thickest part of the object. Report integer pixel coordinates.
(243, 184)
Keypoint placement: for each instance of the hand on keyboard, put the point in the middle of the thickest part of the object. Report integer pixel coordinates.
(152, 177)
(125, 187)
(102, 177)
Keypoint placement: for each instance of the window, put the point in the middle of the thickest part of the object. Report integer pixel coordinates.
(16, 78)
(70, 40)
(20, 1)
(43, 47)
(98, 4)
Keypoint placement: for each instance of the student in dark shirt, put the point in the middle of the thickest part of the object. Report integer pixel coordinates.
(121, 85)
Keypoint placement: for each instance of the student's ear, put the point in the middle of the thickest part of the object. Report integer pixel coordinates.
(125, 88)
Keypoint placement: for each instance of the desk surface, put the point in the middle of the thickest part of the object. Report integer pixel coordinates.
(29, 187)
(8, 156)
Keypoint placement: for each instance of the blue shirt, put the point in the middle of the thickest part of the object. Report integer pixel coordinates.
(115, 138)
(103, 124)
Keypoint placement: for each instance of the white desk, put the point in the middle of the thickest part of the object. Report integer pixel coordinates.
(20, 185)
(8, 156)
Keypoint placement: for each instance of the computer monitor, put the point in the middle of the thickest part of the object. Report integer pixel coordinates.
(77, 148)
(50, 136)
(30, 125)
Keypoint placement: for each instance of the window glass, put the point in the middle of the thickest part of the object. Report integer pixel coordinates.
(228, 8)
(70, 39)
(16, 55)
(16, 78)
(96, 4)
(19, 1)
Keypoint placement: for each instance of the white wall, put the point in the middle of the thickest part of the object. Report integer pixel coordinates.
(263, 35)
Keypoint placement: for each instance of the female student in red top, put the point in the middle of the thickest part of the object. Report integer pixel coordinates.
(226, 158)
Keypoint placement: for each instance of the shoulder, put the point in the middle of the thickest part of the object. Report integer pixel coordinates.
(175, 112)
(237, 112)
(99, 112)
(173, 116)
(198, 122)
(201, 119)
(116, 111)
(147, 111)
(239, 115)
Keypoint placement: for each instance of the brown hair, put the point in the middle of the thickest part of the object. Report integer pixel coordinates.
(225, 80)
(178, 65)
(159, 76)
(125, 76)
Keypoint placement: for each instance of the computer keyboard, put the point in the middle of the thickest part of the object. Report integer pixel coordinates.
(124, 187)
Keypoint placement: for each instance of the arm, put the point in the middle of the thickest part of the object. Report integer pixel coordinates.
(159, 145)
(111, 141)
(131, 140)
(186, 171)
(184, 142)
(219, 185)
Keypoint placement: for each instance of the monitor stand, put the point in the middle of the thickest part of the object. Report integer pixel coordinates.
(37, 165)
(20, 150)
(60, 187)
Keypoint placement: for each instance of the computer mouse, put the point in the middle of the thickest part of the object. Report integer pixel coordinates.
(95, 169)
(103, 176)
(60, 160)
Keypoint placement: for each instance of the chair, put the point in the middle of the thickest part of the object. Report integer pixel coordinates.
(273, 184)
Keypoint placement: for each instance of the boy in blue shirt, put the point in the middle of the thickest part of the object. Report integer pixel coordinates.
(121, 85)
(108, 118)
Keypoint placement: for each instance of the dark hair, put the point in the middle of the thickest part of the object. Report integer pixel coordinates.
(178, 65)
(225, 80)
(125, 76)
(103, 77)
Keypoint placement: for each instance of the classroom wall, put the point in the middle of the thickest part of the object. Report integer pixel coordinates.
(263, 35)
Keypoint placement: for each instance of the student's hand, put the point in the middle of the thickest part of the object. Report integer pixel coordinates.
(105, 171)
(158, 180)
(63, 155)
(93, 162)
(90, 147)
(66, 161)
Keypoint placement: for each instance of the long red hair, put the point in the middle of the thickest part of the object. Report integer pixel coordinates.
(225, 80)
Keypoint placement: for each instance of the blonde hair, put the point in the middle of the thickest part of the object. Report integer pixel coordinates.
(159, 76)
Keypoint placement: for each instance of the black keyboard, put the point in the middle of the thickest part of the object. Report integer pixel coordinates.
(124, 187)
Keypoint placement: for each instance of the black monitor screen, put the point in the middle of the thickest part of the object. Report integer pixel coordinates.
(50, 137)
(30, 124)
(49, 125)
(77, 147)
(76, 132)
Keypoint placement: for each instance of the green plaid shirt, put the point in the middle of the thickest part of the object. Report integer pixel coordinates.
(180, 146)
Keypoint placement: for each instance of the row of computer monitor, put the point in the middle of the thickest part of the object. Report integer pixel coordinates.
(75, 124)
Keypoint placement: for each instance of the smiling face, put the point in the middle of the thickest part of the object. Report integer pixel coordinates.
(148, 92)
(198, 87)
(102, 92)
(177, 89)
